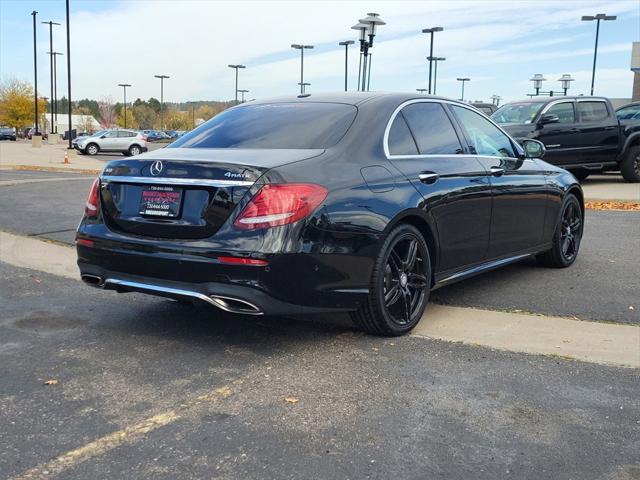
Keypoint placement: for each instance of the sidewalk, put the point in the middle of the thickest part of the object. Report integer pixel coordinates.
(22, 156)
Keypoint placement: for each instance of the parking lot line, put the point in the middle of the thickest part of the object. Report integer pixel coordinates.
(113, 440)
(9, 183)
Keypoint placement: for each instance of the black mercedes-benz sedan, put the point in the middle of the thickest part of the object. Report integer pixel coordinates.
(358, 202)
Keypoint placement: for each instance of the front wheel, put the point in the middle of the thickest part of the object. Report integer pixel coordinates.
(400, 285)
(92, 149)
(134, 150)
(567, 236)
(630, 166)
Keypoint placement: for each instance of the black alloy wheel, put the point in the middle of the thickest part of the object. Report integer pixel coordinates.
(400, 285)
(566, 240)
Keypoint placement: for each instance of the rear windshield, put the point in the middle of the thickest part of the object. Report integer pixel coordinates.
(277, 125)
(517, 112)
(6, 130)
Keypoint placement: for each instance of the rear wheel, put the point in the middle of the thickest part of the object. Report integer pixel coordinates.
(134, 150)
(630, 166)
(400, 285)
(566, 239)
(92, 149)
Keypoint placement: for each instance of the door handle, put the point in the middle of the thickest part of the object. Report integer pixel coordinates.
(428, 177)
(496, 171)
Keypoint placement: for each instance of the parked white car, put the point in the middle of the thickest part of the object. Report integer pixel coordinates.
(127, 142)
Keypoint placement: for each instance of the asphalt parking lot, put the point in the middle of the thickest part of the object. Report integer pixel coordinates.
(149, 388)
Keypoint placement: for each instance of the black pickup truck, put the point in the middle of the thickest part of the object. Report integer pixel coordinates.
(582, 134)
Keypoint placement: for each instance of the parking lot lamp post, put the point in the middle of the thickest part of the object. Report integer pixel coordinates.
(435, 61)
(237, 67)
(346, 44)
(243, 92)
(55, 89)
(537, 80)
(495, 99)
(597, 18)
(372, 21)
(70, 146)
(124, 87)
(51, 58)
(463, 80)
(35, 71)
(431, 31)
(422, 90)
(362, 28)
(301, 47)
(565, 81)
(161, 77)
(303, 86)
(44, 123)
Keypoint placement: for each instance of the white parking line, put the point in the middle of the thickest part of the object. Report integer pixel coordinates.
(598, 342)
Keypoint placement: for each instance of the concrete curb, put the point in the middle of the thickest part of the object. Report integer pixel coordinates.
(34, 168)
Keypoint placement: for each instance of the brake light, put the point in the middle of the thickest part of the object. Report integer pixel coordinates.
(282, 204)
(91, 207)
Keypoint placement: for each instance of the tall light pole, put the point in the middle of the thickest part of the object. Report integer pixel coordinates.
(463, 80)
(35, 71)
(54, 55)
(51, 60)
(371, 21)
(346, 44)
(124, 87)
(597, 18)
(303, 87)
(70, 146)
(435, 60)
(243, 92)
(237, 67)
(162, 77)
(302, 48)
(431, 31)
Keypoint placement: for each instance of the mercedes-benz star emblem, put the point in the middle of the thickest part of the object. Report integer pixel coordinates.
(156, 168)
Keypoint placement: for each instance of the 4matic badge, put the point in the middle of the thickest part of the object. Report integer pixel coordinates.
(235, 175)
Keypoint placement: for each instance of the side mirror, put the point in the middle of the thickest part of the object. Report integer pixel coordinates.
(549, 119)
(533, 148)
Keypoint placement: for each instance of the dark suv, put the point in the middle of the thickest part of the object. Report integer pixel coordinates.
(581, 134)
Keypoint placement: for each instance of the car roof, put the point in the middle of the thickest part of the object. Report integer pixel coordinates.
(554, 99)
(632, 104)
(351, 98)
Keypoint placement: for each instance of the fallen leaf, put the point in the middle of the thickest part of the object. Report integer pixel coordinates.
(631, 307)
(291, 399)
(613, 206)
(374, 349)
(51, 382)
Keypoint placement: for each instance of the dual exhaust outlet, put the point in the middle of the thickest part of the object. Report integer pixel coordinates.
(228, 304)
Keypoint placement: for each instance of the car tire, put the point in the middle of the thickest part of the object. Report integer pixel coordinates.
(92, 149)
(567, 235)
(403, 267)
(134, 150)
(630, 166)
(581, 174)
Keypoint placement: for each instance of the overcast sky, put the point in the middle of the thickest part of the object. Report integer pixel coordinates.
(498, 44)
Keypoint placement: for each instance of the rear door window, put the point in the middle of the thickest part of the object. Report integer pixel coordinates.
(564, 111)
(432, 129)
(593, 111)
(401, 141)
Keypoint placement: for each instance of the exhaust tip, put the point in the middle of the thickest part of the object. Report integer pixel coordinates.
(235, 305)
(93, 280)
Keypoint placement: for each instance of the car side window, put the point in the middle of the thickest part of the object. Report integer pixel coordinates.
(564, 111)
(485, 137)
(593, 111)
(628, 113)
(432, 129)
(400, 140)
(112, 134)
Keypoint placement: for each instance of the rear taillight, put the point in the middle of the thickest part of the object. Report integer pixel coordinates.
(275, 205)
(91, 207)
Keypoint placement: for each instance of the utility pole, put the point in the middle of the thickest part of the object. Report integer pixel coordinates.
(161, 77)
(35, 71)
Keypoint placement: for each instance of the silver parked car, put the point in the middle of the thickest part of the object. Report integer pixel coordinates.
(127, 142)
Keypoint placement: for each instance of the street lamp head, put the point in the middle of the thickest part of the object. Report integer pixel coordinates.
(161, 76)
(463, 79)
(346, 42)
(537, 80)
(432, 30)
(599, 16)
(421, 90)
(362, 28)
(436, 59)
(372, 20)
(566, 80)
(50, 23)
(124, 85)
(236, 66)
(55, 53)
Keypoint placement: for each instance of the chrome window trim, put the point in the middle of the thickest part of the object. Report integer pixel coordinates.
(385, 138)
(556, 102)
(176, 181)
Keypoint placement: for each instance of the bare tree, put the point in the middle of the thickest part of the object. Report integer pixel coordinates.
(107, 113)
